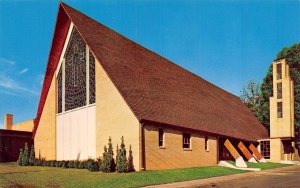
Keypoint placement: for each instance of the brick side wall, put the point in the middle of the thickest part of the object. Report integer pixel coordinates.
(173, 155)
(114, 118)
(45, 138)
(24, 126)
(11, 142)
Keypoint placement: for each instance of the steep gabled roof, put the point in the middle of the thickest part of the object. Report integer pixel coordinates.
(154, 88)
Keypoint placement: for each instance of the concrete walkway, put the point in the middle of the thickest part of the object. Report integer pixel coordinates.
(278, 177)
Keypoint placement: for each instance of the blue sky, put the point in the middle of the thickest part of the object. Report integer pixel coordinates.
(226, 42)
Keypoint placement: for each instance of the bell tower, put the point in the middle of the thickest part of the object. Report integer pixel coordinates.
(282, 128)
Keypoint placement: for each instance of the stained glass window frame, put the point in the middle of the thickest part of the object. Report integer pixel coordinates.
(81, 76)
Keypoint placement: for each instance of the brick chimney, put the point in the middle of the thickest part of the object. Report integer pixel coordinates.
(8, 121)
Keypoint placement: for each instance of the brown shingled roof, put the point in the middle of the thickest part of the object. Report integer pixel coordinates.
(158, 90)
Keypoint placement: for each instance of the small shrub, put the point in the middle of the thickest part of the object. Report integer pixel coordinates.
(130, 166)
(25, 159)
(56, 164)
(108, 162)
(88, 163)
(20, 157)
(66, 164)
(76, 163)
(60, 163)
(32, 156)
(117, 156)
(99, 160)
(81, 165)
(63, 164)
(93, 166)
(70, 164)
(43, 162)
(122, 160)
(36, 162)
(53, 163)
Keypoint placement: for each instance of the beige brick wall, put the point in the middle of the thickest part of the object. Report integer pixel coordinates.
(276, 150)
(45, 138)
(282, 127)
(173, 155)
(114, 118)
(24, 126)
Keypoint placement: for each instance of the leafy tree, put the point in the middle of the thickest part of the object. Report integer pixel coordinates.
(292, 56)
(108, 163)
(266, 93)
(130, 166)
(252, 97)
(20, 157)
(32, 156)
(122, 160)
(25, 159)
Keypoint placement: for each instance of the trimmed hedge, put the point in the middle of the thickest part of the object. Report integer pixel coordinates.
(104, 164)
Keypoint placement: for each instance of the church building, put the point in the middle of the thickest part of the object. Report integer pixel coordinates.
(99, 84)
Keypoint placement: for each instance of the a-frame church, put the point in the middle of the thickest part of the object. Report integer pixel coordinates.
(99, 84)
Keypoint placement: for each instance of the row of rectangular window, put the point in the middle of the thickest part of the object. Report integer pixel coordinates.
(279, 90)
(186, 140)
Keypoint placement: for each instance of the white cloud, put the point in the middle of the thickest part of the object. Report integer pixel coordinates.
(23, 71)
(8, 92)
(8, 83)
(40, 79)
(6, 61)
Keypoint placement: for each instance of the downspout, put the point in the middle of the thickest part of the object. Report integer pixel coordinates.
(142, 147)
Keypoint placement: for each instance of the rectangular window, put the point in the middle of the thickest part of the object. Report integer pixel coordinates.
(265, 149)
(186, 140)
(279, 71)
(279, 90)
(279, 109)
(160, 137)
(206, 144)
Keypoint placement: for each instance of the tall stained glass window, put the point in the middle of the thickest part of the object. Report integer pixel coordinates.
(91, 78)
(75, 72)
(59, 91)
(76, 78)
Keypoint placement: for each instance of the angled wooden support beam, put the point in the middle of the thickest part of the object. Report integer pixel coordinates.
(257, 154)
(239, 161)
(246, 152)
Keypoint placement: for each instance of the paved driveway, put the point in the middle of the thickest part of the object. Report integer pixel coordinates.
(284, 177)
(274, 178)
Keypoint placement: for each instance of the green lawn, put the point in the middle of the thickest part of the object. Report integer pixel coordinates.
(263, 166)
(12, 175)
